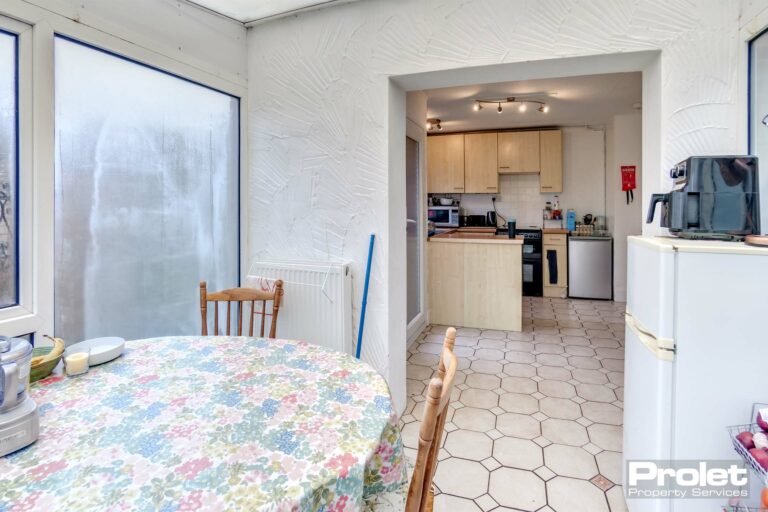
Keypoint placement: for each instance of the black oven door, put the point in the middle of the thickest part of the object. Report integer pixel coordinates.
(533, 285)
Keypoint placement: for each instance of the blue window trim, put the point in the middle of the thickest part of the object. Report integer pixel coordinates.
(750, 92)
(15, 171)
(185, 79)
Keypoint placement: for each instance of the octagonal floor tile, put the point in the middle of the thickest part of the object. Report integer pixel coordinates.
(520, 490)
(454, 504)
(610, 465)
(570, 461)
(600, 412)
(571, 495)
(553, 373)
(485, 366)
(564, 432)
(483, 381)
(590, 376)
(518, 453)
(480, 398)
(519, 385)
(585, 363)
(516, 402)
(596, 393)
(518, 425)
(551, 360)
(519, 370)
(472, 418)
(559, 408)
(464, 478)
(520, 357)
(607, 437)
(557, 389)
(468, 445)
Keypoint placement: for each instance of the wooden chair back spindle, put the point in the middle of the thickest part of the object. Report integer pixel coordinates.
(241, 296)
(439, 392)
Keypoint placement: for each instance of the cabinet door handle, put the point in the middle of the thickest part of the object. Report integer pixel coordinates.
(503, 167)
(491, 188)
(545, 187)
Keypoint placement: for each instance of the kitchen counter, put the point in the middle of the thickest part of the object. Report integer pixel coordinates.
(555, 231)
(476, 237)
(475, 280)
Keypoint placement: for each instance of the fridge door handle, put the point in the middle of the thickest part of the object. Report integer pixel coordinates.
(651, 342)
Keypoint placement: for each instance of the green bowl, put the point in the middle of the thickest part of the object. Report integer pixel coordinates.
(44, 370)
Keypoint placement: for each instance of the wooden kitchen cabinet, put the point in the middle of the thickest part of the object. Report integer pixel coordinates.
(557, 243)
(519, 152)
(445, 164)
(481, 175)
(551, 152)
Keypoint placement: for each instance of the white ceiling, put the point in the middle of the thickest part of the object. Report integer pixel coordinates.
(581, 100)
(247, 11)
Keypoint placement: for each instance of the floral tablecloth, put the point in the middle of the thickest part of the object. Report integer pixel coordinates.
(190, 423)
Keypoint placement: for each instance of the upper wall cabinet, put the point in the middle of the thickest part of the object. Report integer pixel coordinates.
(551, 177)
(445, 164)
(519, 152)
(481, 174)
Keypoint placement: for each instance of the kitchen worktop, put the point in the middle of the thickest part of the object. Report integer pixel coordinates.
(470, 237)
(555, 231)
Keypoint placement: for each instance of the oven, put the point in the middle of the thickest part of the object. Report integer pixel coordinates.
(444, 216)
(533, 280)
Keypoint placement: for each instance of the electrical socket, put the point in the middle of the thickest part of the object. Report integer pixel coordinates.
(493, 199)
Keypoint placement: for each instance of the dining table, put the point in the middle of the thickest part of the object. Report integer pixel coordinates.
(211, 423)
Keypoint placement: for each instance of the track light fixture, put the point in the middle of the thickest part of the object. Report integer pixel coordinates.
(522, 104)
(434, 123)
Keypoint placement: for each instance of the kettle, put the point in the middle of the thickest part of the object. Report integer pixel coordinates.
(490, 218)
(15, 362)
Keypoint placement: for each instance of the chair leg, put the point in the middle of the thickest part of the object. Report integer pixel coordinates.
(430, 500)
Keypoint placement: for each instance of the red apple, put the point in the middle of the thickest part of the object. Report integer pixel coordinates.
(761, 456)
(762, 416)
(745, 438)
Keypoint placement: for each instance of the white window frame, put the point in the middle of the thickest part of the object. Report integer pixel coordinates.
(37, 29)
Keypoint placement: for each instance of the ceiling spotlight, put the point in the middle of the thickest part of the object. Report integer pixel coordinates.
(544, 109)
(499, 110)
(477, 107)
(434, 123)
(429, 125)
(523, 107)
(439, 127)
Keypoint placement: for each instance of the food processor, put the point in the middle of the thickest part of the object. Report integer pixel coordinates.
(19, 420)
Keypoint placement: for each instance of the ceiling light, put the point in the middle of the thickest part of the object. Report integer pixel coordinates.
(522, 103)
(433, 123)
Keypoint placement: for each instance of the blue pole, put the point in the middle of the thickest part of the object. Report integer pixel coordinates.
(365, 297)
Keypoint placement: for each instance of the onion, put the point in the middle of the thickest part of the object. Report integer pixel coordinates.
(760, 456)
(762, 416)
(746, 439)
(760, 440)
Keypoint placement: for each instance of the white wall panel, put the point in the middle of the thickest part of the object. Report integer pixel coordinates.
(319, 129)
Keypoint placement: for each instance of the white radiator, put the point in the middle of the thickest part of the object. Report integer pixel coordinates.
(317, 301)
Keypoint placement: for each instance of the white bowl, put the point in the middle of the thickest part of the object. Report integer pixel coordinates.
(101, 349)
(446, 201)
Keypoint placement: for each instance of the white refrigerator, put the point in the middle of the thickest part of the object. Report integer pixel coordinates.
(696, 353)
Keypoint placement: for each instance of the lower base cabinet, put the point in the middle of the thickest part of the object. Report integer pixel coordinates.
(555, 256)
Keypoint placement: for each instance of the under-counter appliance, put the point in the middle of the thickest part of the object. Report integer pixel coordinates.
(444, 216)
(473, 221)
(19, 420)
(694, 336)
(590, 267)
(714, 197)
(533, 284)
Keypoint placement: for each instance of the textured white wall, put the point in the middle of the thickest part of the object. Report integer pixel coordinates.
(320, 114)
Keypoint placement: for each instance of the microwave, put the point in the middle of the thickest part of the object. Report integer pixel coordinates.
(444, 216)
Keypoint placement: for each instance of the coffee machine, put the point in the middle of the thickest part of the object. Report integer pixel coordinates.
(715, 197)
(19, 419)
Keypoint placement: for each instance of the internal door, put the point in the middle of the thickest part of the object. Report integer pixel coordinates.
(413, 223)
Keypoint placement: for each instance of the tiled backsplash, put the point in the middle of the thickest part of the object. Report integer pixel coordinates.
(519, 198)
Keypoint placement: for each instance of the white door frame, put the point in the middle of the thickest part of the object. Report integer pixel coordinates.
(415, 326)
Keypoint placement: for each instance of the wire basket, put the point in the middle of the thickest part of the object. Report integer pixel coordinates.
(735, 430)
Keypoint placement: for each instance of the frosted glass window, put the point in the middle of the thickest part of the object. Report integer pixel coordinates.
(8, 172)
(146, 196)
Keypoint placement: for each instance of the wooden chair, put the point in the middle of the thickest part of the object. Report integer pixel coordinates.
(420, 493)
(241, 296)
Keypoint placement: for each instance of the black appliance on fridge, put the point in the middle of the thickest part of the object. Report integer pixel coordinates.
(533, 281)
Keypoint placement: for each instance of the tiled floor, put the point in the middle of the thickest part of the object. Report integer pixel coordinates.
(535, 424)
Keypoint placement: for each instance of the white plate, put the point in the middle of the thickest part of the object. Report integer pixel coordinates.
(102, 349)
